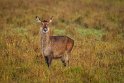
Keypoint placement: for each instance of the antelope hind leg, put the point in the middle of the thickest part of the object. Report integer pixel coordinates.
(63, 60)
(67, 58)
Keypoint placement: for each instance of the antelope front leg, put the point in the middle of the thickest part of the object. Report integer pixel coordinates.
(48, 60)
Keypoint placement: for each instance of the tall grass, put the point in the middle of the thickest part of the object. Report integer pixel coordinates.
(97, 27)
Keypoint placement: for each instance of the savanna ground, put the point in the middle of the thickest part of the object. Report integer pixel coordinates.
(97, 27)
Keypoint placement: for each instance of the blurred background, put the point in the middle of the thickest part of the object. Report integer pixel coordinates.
(97, 27)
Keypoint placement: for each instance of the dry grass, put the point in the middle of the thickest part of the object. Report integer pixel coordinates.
(97, 26)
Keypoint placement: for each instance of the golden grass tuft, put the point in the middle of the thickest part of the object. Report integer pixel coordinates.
(95, 25)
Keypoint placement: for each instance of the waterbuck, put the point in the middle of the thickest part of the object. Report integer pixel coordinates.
(54, 47)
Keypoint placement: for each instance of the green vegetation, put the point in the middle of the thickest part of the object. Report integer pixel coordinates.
(97, 27)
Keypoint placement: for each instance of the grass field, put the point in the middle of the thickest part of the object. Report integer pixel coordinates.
(97, 27)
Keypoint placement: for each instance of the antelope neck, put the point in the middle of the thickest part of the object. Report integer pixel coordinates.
(45, 38)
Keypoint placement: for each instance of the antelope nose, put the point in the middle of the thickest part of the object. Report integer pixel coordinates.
(45, 29)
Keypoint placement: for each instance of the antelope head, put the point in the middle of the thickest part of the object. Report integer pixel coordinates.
(44, 24)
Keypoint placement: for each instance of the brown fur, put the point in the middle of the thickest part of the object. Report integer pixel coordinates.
(60, 44)
(54, 47)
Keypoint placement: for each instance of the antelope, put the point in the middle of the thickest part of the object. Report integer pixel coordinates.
(54, 47)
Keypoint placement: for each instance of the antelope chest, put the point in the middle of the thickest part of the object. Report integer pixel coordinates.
(47, 51)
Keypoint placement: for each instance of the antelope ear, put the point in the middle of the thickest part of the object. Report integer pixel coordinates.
(38, 19)
(51, 19)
